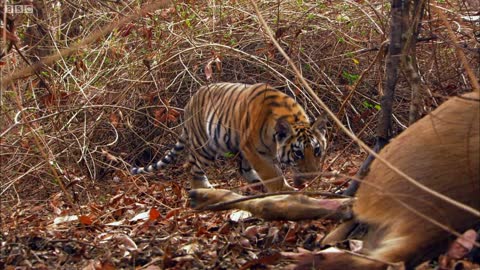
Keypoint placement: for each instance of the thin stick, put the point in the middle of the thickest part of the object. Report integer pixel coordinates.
(471, 75)
(27, 71)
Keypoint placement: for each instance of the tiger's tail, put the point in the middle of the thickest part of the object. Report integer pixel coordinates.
(165, 161)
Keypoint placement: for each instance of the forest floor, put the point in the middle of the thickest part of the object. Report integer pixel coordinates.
(129, 222)
(110, 100)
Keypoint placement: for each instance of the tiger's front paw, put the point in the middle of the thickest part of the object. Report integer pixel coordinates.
(200, 183)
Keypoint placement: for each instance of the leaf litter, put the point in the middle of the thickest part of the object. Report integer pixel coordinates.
(144, 225)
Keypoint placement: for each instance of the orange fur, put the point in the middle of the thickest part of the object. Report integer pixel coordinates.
(441, 151)
(262, 125)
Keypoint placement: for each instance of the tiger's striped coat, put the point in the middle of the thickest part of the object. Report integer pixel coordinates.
(260, 123)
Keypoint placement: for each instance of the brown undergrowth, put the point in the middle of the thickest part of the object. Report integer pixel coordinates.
(117, 101)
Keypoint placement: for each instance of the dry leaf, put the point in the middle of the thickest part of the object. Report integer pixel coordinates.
(9, 35)
(85, 220)
(291, 236)
(153, 214)
(64, 219)
(114, 119)
(126, 29)
(251, 232)
(172, 213)
(127, 242)
(152, 267)
(355, 245)
(109, 156)
(269, 259)
(208, 70)
(238, 215)
(80, 65)
(459, 249)
(107, 266)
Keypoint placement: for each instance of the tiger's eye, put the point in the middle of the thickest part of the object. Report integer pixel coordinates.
(317, 152)
(298, 153)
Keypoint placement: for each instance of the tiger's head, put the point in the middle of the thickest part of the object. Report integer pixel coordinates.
(301, 146)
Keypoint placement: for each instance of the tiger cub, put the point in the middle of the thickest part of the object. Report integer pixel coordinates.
(259, 123)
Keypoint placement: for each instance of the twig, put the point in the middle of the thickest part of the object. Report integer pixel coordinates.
(409, 59)
(27, 71)
(358, 81)
(384, 126)
(42, 151)
(471, 75)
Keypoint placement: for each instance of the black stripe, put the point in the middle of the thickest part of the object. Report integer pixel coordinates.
(262, 153)
(243, 170)
(227, 96)
(276, 104)
(231, 105)
(227, 138)
(261, 92)
(198, 171)
(235, 101)
(232, 86)
(270, 96)
(261, 137)
(198, 131)
(216, 136)
(283, 117)
(166, 160)
(199, 177)
(258, 87)
(205, 154)
(210, 123)
(179, 148)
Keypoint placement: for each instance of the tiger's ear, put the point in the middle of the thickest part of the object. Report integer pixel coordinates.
(283, 130)
(320, 125)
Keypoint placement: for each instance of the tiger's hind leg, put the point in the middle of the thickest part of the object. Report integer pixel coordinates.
(199, 179)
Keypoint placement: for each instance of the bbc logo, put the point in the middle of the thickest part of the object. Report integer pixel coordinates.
(16, 9)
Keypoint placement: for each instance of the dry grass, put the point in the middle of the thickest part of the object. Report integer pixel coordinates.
(99, 109)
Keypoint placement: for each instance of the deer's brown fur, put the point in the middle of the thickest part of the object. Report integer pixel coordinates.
(441, 151)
